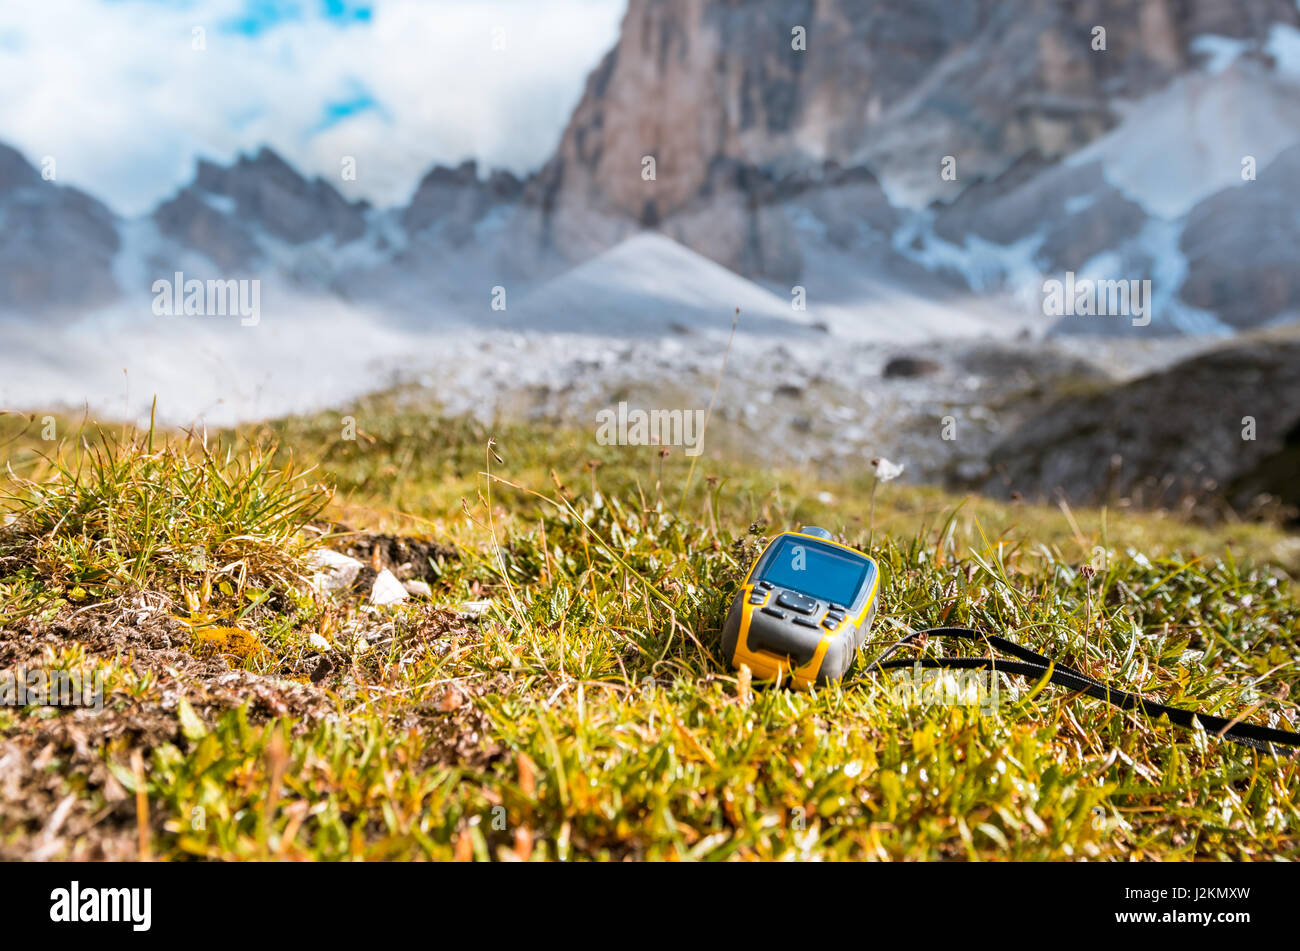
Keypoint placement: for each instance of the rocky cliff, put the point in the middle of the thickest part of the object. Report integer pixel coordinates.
(730, 100)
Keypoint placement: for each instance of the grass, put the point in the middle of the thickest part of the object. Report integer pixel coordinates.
(588, 714)
(115, 513)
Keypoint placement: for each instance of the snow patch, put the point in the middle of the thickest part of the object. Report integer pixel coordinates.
(222, 204)
(1179, 146)
(984, 265)
(1284, 46)
(1221, 51)
(1078, 203)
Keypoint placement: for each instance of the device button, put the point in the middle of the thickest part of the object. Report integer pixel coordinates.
(835, 616)
(775, 613)
(837, 608)
(757, 597)
(830, 623)
(796, 602)
(765, 585)
(806, 622)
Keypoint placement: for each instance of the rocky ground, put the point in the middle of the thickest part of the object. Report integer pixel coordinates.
(1201, 423)
(827, 404)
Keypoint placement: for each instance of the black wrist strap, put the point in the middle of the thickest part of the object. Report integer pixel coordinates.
(1035, 665)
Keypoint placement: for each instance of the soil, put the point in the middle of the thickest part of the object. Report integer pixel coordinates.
(58, 798)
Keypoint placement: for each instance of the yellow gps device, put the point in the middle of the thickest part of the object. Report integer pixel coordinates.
(803, 611)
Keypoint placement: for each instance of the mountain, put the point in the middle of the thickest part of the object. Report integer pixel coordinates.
(225, 210)
(743, 128)
(448, 247)
(1240, 245)
(57, 244)
(946, 154)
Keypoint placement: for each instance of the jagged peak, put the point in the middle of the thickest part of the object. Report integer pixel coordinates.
(15, 170)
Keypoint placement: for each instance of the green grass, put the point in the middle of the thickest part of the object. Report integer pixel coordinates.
(115, 513)
(589, 714)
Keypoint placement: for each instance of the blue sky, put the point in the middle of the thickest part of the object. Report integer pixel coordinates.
(125, 95)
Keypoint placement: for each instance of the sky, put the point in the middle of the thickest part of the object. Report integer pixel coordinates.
(126, 95)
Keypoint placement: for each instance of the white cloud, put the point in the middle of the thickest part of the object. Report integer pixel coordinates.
(116, 94)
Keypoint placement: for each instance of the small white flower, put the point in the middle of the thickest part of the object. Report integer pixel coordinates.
(886, 471)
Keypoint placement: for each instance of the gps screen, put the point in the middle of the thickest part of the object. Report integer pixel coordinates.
(821, 572)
